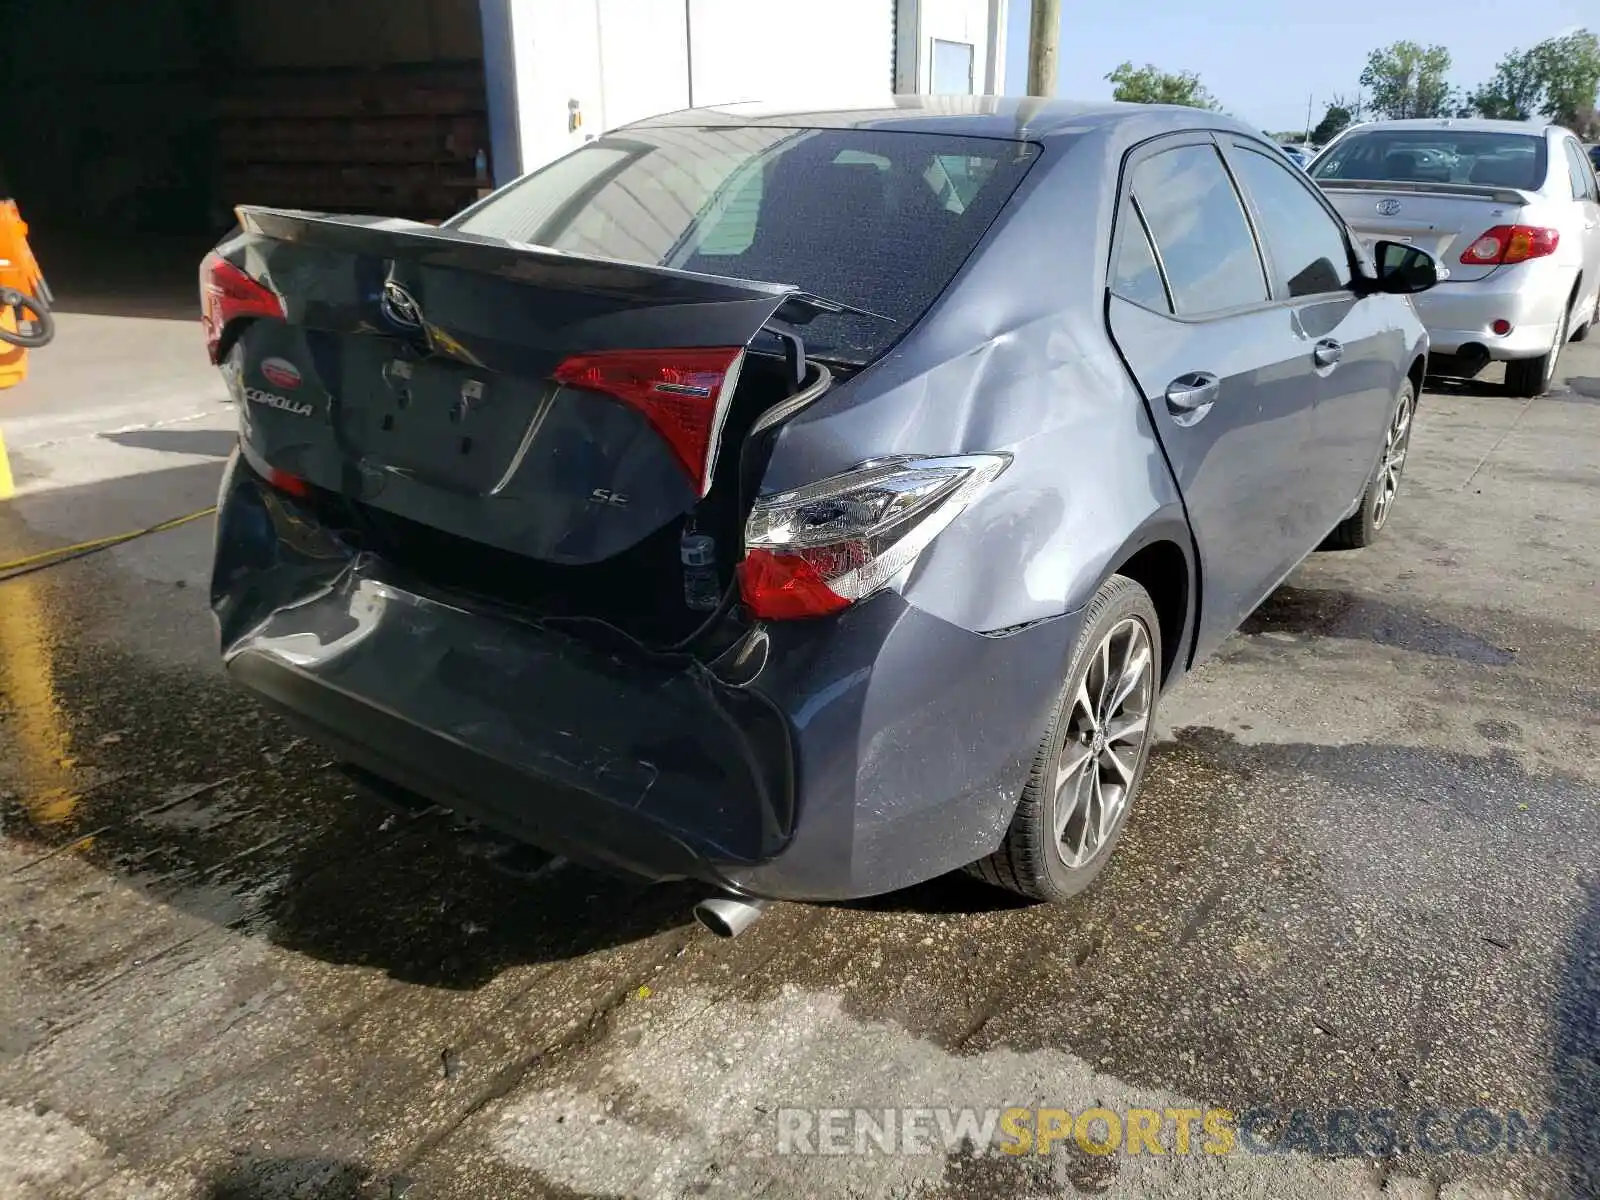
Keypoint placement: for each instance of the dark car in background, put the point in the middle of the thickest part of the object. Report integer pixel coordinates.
(807, 503)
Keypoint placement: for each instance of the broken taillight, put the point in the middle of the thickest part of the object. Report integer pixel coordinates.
(680, 392)
(226, 295)
(820, 548)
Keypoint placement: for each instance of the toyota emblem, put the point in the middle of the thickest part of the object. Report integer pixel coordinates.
(1388, 207)
(400, 307)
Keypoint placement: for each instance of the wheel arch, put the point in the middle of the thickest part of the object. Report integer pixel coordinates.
(1161, 559)
(1417, 372)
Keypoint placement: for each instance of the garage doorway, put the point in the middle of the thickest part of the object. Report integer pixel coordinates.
(134, 129)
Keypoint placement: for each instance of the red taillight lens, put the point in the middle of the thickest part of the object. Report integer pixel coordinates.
(678, 391)
(818, 549)
(226, 295)
(1510, 244)
(783, 587)
(285, 482)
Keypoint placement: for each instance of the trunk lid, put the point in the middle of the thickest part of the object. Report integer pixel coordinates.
(1441, 218)
(554, 405)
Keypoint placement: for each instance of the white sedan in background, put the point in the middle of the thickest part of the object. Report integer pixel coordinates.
(1511, 212)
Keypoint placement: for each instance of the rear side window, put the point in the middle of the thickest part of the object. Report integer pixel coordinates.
(1583, 180)
(1490, 159)
(1199, 230)
(1136, 276)
(1307, 248)
(878, 220)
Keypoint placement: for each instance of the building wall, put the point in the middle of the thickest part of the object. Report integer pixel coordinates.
(976, 27)
(580, 67)
(823, 51)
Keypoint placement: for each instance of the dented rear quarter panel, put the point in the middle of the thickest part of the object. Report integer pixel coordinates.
(1016, 357)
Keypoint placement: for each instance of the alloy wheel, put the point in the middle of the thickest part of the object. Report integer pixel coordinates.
(1396, 442)
(1106, 729)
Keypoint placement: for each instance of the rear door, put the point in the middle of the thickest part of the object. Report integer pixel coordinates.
(1228, 380)
(1357, 352)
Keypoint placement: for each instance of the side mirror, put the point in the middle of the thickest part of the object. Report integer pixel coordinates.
(1403, 269)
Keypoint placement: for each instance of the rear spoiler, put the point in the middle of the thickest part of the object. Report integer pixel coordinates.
(1423, 187)
(393, 238)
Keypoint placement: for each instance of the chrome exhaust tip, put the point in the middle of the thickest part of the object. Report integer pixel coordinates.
(728, 916)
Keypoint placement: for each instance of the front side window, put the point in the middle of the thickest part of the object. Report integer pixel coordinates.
(1306, 246)
(1200, 230)
(880, 220)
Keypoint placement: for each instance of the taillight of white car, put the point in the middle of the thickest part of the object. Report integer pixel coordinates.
(821, 548)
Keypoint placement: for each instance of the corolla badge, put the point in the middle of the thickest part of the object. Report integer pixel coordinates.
(1388, 207)
(400, 306)
(295, 408)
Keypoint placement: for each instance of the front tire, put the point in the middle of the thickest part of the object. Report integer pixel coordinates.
(1087, 771)
(1363, 526)
(1529, 377)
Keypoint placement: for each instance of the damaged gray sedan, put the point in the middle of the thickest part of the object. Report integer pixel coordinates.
(807, 503)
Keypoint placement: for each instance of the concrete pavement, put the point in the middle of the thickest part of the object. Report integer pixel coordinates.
(1362, 876)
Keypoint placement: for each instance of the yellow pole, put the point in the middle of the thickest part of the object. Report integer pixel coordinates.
(38, 736)
(7, 485)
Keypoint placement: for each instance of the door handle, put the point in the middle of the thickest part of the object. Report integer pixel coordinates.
(1190, 397)
(1328, 353)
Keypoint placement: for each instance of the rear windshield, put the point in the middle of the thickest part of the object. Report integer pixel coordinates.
(1438, 156)
(877, 220)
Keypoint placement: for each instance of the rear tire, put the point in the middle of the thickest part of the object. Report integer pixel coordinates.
(1529, 377)
(1087, 771)
(1377, 502)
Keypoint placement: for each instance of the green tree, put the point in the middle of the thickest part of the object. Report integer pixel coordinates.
(1515, 91)
(1407, 80)
(1569, 68)
(1335, 120)
(1557, 79)
(1149, 84)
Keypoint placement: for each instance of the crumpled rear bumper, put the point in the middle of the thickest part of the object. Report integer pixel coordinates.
(816, 760)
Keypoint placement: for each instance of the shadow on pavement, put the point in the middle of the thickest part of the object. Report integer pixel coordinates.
(216, 443)
(955, 893)
(1324, 612)
(252, 1178)
(1585, 386)
(119, 743)
(1453, 386)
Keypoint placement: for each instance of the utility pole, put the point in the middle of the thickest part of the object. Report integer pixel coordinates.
(1044, 34)
(1309, 99)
